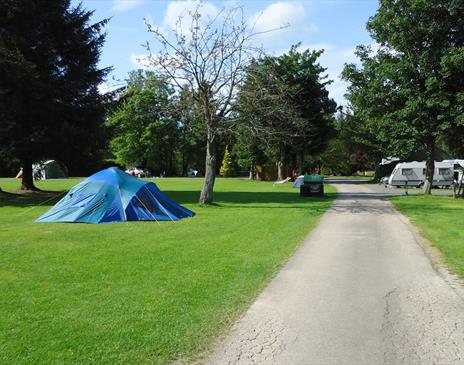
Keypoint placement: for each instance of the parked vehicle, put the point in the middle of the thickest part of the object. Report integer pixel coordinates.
(413, 174)
(138, 172)
(458, 169)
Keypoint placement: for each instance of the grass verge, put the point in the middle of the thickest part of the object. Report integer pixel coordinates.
(140, 292)
(439, 218)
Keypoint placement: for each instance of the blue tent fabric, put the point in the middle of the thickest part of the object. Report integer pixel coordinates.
(112, 195)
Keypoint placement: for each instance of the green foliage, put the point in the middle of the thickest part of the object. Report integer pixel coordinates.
(337, 159)
(145, 131)
(141, 292)
(284, 102)
(157, 128)
(191, 147)
(410, 91)
(227, 168)
(405, 91)
(353, 148)
(250, 150)
(50, 106)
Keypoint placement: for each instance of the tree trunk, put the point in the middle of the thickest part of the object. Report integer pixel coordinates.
(206, 196)
(300, 162)
(429, 167)
(252, 173)
(281, 174)
(27, 178)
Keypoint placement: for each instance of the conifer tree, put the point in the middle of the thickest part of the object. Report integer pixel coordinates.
(227, 166)
(50, 106)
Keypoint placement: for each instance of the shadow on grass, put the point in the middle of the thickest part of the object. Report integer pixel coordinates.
(30, 198)
(236, 199)
(247, 197)
(348, 181)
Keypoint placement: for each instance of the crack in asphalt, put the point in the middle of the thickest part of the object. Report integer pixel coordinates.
(361, 289)
(258, 342)
(422, 327)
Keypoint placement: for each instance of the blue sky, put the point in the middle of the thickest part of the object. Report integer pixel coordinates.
(337, 26)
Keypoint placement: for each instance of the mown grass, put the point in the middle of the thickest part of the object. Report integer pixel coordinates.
(440, 220)
(141, 292)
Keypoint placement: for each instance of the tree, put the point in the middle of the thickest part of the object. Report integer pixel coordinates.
(209, 58)
(336, 159)
(145, 131)
(49, 79)
(227, 165)
(285, 103)
(190, 146)
(410, 90)
(308, 82)
(250, 150)
(266, 110)
(360, 142)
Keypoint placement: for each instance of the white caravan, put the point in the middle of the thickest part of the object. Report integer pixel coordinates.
(413, 174)
(458, 168)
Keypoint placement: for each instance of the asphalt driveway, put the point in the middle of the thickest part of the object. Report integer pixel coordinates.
(360, 290)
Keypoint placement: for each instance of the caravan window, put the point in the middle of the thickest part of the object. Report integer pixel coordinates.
(444, 171)
(406, 172)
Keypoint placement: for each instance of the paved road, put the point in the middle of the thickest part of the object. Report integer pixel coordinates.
(360, 290)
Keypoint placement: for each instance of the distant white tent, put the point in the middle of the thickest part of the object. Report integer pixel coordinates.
(298, 181)
(46, 170)
(389, 160)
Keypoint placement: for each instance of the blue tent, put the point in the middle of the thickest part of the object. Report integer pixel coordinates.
(111, 195)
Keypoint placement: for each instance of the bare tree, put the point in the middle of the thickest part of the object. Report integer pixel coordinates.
(209, 57)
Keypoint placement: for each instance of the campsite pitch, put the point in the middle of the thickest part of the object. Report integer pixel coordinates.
(141, 292)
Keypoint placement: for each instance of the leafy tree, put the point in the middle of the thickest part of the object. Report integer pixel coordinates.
(411, 90)
(145, 131)
(336, 159)
(190, 146)
(227, 165)
(308, 82)
(266, 111)
(50, 105)
(361, 143)
(285, 103)
(250, 150)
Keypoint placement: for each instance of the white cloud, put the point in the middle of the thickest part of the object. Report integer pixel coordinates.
(140, 61)
(177, 9)
(123, 5)
(281, 22)
(277, 15)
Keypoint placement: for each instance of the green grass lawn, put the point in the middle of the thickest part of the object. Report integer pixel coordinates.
(440, 220)
(141, 292)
